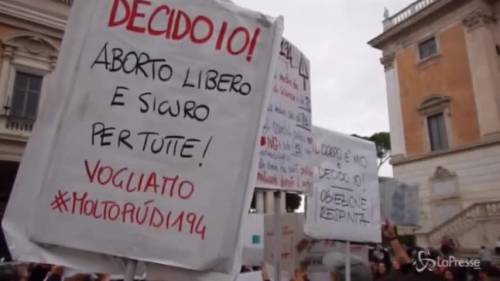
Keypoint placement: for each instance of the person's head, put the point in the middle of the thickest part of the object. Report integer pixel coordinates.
(489, 273)
(103, 277)
(373, 267)
(8, 273)
(395, 265)
(79, 277)
(448, 275)
(245, 269)
(381, 268)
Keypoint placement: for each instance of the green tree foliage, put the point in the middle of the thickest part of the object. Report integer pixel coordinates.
(382, 142)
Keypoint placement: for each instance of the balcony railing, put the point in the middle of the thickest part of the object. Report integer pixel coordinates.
(407, 13)
(19, 124)
(16, 128)
(465, 220)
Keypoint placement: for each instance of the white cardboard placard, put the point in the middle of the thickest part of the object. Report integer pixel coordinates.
(286, 140)
(253, 240)
(292, 233)
(131, 156)
(345, 203)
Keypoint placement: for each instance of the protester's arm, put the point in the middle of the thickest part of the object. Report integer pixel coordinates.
(265, 275)
(389, 233)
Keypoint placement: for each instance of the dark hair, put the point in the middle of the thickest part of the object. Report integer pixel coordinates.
(8, 273)
(490, 270)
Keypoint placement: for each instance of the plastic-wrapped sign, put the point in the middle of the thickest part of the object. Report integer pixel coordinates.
(345, 203)
(399, 202)
(286, 141)
(147, 146)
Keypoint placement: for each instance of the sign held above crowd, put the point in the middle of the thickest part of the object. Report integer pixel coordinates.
(345, 203)
(286, 140)
(135, 145)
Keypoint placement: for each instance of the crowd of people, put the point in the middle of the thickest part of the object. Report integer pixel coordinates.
(395, 262)
(407, 264)
(12, 271)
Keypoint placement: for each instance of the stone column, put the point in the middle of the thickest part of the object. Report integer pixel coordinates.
(485, 73)
(283, 202)
(259, 198)
(394, 104)
(8, 53)
(269, 202)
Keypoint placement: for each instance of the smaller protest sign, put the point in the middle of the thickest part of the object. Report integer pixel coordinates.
(298, 252)
(286, 139)
(253, 240)
(345, 203)
(291, 234)
(284, 275)
(399, 202)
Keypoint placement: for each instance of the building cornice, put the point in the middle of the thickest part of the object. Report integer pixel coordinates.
(379, 41)
(387, 60)
(13, 11)
(478, 18)
(491, 141)
(17, 139)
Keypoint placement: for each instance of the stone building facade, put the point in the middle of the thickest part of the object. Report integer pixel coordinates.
(442, 67)
(30, 36)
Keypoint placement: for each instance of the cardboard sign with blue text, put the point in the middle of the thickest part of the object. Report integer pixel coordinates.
(148, 147)
(345, 203)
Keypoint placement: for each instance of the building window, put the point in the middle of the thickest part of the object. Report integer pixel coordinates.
(437, 132)
(427, 48)
(27, 88)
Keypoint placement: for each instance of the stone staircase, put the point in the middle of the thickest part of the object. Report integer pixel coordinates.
(465, 221)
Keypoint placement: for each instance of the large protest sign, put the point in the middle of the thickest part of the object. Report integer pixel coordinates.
(133, 157)
(286, 141)
(399, 202)
(345, 203)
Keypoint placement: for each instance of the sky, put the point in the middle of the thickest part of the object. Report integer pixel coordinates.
(347, 80)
